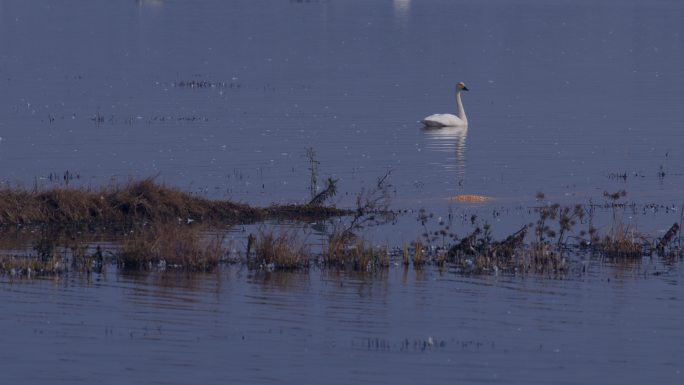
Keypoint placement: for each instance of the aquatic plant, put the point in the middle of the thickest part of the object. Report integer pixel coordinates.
(622, 241)
(668, 238)
(372, 205)
(479, 253)
(170, 245)
(405, 259)
(284, 250)
(418, 256)
(344, 250)
(548, 245)
(313, 171)
(27, 266)
(329, 192)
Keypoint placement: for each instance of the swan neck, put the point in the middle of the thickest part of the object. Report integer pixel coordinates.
(459, 105)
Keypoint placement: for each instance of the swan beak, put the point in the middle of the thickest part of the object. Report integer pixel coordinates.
(465, 88)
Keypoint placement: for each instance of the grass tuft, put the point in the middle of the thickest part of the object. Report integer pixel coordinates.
(282, 251)
(170, 246)
(347, 251)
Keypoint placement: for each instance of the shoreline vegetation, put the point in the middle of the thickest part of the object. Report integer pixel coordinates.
(125, 204)
(162, 228)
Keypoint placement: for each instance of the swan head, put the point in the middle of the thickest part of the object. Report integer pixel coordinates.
(461, 87)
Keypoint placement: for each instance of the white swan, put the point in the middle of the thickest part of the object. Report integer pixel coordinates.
(448, 120)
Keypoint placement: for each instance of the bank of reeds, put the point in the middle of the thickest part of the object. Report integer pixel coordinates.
(135, 201)
(545, 246)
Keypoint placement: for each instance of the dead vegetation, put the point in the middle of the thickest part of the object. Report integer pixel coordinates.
(129, 203)
(556, 238)
(170, 245)
(284, 250)
(350, 252)
(159, 239)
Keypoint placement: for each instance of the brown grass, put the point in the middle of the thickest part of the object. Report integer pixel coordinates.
(283, 251)
(621, 243)
(418, 256)
(132, 202)
(350, 252)
(29, 266)
(170, 246)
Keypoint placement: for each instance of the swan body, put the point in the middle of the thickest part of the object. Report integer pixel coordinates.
(444, 120)
(449, 120)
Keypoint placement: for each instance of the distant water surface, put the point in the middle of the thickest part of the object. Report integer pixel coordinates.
(570, 98)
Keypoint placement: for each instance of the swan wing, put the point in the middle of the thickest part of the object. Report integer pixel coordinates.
(443, 120)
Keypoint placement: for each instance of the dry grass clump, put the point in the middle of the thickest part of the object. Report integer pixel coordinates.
(170, 246)
(621, 243)
(283, 251)
(347, 251)
(419, 258)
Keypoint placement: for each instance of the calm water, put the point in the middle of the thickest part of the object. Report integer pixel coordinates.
(567, 97)
(618, 326)
(563, 96)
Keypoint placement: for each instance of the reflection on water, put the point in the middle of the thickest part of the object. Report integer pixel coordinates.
(452, 141)
(402, 8)
(150, 3)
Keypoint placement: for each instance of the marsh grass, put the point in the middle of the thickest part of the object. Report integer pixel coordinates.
(29, 266)
(353, 253)
(283, 250)
(170, 246)
(53, 254)
(405, 256)
(419, 258)
(555, 236)
(622, 241)
(134, 202)
(158, 240)
(479, 253)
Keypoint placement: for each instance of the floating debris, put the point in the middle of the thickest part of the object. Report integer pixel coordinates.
(471, 198)
(205, 84)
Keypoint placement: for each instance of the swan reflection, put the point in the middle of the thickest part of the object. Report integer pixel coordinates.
(451, 140)
(150, 3)
(401, 8)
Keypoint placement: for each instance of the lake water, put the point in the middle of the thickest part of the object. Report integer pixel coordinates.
(620, 325)
(222, 98)
(563, 97)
